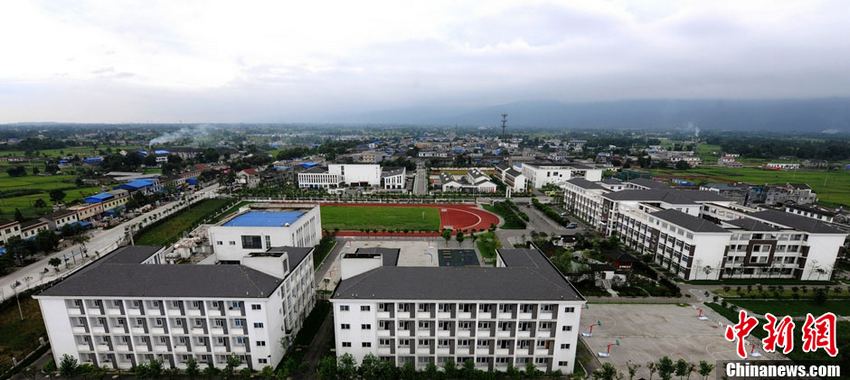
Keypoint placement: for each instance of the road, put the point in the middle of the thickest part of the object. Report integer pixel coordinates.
(537, 222)
(420, 182)
(77, 256)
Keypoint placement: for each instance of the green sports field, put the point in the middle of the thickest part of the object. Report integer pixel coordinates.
(355, 218)
(832, 187)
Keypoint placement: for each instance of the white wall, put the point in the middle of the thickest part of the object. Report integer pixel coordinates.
(58, 325)
(354, 173)
(823, 250)
(304, 232)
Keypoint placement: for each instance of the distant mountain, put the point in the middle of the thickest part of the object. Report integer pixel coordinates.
(831, 115)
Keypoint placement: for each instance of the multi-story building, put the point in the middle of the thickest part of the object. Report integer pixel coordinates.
(522, 311)
(9, 229)
(357, 174)
(255, 230)
(318, 178)
(540, 175)
(393, 179)
(61, 218)
(702, 235)
(128, 308)
(33, 227)
(812, 212)
(797, 193)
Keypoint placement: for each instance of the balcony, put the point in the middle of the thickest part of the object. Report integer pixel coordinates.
(160, 348)
(154, 312)
(444, 350)
(98, 329)
(502, 351)
(138, 330)
(541, 351)
(423, 332)
(384, 314)
(503, 333)
(546, 315)
(527, 315)
(75, 311)
(78, 330)
(484, 333)
(213, 313)
(239, 349)
(404, 315)
(217, 330)
(173, 312)
(523, 333)
(464, 315)
(444, 333)
(113, 311)
(423, 314)
(198, 330)
(181, 348)
(219, 348)
(122, 348)
(384, 333)
(83, 347)
(234, 312)
(134, 311)
(385, 350)
(505, 315)
(199, 348)
(102, 347)
(94, 311)
(444, 315)
(464, 333)
(193, 312)
(158, 330)
(423, 350)
(405, 333)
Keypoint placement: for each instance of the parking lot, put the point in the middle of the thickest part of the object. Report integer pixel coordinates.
(649, 332)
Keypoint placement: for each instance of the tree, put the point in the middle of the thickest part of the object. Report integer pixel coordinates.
(211, 371)
(431, 371)
(346, 368)
(447, 235)
(19, 216)
(607, 372)
(681, 368)
(192, 370)
(35, 170)
(459, 237)
(408, 371)
(530, 370)
(327, 368)
(369, 367)
(233, 361)
(155, 368)
(267, 373)
(632, 368)
(246, 373)
(450, 369)
(652, 367)
(68, 366)
(46, 241)
(39, 203)
(666, 368)
(16, 171)
(705, 369)
(56, 195)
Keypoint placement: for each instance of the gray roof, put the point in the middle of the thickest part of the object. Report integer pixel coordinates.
(388, 255)
(502, 166)
(798, 222)
(391, 172)
(528, 276)
(585, 184)
(688, 222)
(513, 172)
(296, 254)
(648, 183)
(119, 274)
(751, 224)
(678, 197)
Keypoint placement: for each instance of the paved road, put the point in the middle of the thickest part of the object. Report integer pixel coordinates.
(102, 241)
(420, 182)
(537, 222)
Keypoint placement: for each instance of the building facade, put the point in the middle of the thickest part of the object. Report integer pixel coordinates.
(126, 309)
(435, 315)
(257, 230)
(540, 175)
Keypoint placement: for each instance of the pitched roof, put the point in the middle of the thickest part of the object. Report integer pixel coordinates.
(678, 197)
(389, 256)
(648, 183)
(119, 274)
(688, 222)
(392, 172)
(798, 222)
(584, 184)
(750, 224)
(296, 254)
(528, 276)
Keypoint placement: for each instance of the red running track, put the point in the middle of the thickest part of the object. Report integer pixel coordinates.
(458, 217)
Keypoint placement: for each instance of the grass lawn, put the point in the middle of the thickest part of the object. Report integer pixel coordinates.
(378, 217)
(832, 187)
(786, 292)
(794, 308)
(487, 245)
(18, 338)
(170, 229)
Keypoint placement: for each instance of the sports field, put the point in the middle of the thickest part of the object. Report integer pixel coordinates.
(832, 187)
(380, 217)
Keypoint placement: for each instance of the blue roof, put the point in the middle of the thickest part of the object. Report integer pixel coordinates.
(160, 152)
(97, 198)
(309, 164)
(136, 184)
(265, 219)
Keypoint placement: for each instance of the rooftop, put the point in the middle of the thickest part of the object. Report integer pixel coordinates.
(688, 222)
(584, 184)
(798, 222)
(264, 219)
(678, 197)
(296, 254)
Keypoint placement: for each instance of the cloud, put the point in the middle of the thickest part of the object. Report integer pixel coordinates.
(205, 61)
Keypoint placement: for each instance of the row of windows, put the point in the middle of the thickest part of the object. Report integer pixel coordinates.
(525, 308)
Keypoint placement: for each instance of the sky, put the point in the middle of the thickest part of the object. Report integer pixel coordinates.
(289, 61)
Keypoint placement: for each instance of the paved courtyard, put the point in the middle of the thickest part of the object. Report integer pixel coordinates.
(648, 332)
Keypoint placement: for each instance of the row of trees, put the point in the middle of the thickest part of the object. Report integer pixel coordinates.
(665, 367)
(346, 368)
(69, 368)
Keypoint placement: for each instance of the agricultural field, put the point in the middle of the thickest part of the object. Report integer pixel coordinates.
(82, 151)
(22, 192)
(832, 187)
(171, 228)
(355, 218)
(795, 308)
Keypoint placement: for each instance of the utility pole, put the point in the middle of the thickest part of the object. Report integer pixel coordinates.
(504, 124)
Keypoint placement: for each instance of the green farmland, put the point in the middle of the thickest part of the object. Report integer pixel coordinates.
(832, 187)
(355, 218)
(22, 193)
(170, 229)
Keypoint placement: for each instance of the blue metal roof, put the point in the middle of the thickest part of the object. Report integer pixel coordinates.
(265, 219)
(136, 184)
(97, 198)
(309, 164)
(161, 152)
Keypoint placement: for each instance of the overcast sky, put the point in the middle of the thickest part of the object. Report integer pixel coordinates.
(286, 61)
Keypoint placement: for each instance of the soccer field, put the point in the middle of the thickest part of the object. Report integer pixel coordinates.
(355, 218)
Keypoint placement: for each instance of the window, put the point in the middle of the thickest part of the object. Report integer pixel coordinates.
(238, 322)
(256, 306)
(219, 242)
(567, 328)
(562, 363)
(262, 361)
(343, 307)
(569, 309)
(366, 326)
(231, 242)
(366, 344)
(346, 344)
(364, 308)
(252, 242)
(345, 326)
(565, 346)
(261, 343)
(258, 325)
(240, 340)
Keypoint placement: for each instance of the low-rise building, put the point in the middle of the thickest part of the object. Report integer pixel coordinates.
(32, 228)
(542, 174)
(393, 179)
(61, 218)
(9, 229)
(255, 230)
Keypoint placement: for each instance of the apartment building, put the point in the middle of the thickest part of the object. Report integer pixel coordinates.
(542, 174)
(522, 311)
(259, 229)
(61, 218)
(702, 235)
(9, 229)
(32, 228)
(128, 309)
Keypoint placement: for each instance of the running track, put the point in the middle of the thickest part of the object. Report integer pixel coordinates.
(458, 217)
